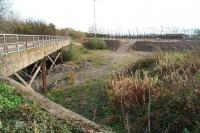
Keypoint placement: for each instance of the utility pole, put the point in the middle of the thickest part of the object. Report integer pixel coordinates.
(95, 26)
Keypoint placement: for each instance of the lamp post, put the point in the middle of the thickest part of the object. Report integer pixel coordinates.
(95, 28)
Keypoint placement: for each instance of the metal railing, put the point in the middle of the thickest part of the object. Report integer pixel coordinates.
(10, 43)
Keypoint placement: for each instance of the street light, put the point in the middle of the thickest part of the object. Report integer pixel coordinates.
(95, 28)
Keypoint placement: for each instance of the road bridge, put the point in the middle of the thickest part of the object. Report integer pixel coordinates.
(20, 51)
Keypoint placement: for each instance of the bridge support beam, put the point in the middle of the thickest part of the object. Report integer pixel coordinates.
(21, 79)
(35, 66)
(44, 74)
(34, 75)
(54, 62)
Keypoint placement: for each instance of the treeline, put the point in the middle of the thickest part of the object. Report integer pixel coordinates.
(144, 36)
(33, 27)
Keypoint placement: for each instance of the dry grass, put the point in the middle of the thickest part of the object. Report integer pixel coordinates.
(163, 90)
(71, 79)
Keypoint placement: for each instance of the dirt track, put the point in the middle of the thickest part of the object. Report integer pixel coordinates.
(126, 46)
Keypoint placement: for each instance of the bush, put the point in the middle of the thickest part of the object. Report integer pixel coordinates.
(95, 44)
(72, 53)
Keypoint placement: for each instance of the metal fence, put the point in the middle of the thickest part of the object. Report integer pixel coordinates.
(10, 43)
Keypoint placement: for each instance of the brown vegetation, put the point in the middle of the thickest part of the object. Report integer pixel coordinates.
(160, 95)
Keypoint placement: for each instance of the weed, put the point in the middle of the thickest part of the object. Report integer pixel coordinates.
(71, 79)
(172, 80)
(7, 97)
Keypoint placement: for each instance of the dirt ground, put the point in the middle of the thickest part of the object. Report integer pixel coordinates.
(108, 61)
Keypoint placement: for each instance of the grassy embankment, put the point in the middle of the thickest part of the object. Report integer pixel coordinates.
(18, 114)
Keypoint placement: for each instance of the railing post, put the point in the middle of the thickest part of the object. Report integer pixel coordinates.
(17, 44)
(43, 40)
(5, 45)
(39, 40)
(33, 42)
(26, 46)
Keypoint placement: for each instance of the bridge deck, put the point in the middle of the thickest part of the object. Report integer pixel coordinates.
(20, 51)
(10, 43)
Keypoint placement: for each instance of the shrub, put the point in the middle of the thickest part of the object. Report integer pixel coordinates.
(95, 44)
(71, 53)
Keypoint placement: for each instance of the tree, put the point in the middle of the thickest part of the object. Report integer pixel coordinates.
(4, 7)
(51, 29)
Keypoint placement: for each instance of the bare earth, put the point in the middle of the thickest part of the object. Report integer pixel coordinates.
(113, 60)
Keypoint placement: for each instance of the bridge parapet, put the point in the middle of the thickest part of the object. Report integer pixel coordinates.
(11, 43)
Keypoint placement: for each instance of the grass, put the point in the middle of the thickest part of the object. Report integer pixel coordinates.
(159, 94)
(76, 54)
(94, 57)
(19, 114)
(90, 100)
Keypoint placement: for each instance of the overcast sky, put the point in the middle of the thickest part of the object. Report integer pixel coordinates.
(113, 15)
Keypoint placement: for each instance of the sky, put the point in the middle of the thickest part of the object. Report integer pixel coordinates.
(113, 15)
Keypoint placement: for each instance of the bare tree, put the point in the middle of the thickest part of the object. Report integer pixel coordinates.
(4, 7)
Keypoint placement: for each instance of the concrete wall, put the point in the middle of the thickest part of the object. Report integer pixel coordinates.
(14, 62)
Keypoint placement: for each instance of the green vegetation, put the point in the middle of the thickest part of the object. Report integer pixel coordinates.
(76, 54)
(8, 98)
(72, 53)
(159, 94)
(95, 44)
(90, 100)
(18, 114)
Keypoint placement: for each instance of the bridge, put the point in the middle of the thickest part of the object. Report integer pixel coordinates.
(20, 51)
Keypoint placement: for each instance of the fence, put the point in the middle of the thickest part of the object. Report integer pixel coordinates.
(10, 43)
